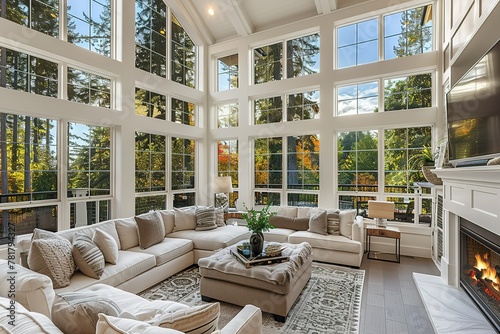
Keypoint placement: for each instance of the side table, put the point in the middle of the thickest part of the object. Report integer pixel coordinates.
(383, 232)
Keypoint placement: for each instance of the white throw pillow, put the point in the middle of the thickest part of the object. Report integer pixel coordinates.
(107, 244)
(193, 320)
(113, 325)
(346, 218)
(185, 219)
(127, 232)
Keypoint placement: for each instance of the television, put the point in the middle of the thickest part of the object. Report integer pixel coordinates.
(473, 113)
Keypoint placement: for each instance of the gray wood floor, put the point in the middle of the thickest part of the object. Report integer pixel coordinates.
(390, 302)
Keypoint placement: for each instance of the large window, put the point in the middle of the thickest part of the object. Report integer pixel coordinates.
(358, 161)
(268, 110)
(302, 56)
(227, 164)
(183, 56)
(39, 15)
(412, 92)
(21, 71)
(227, 72)
(150, 162)
(183, 112)
(88, 88)
(303, 162)
(268, 162)
(302, 106)
(267, 63)
(357, 99)
(151, 36)
(357, 43)
(89, 25)
(150, 104)
(227, 115)
(183, 163)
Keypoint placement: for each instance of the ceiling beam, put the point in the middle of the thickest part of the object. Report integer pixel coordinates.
(325, 6)
(188, 16)
(237, 16)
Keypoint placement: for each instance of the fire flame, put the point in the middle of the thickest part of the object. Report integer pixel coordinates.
(488, 273)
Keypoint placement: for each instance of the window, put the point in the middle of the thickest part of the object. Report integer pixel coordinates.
(227, 159)
(266, 197)
(150, 104)
(89, 160)
(183, 163)
(89, 25)
(406, 35)
(358, 161)
(302, 106)
(24, 220)
(88, 88)
(412, 92)
(268, 110)
(39, 15)
(303, 162)
(399, 146)
(227, 72)
(268, 162)
(227, 115)
(183, 56)
(360, 203)
(145, 204)
(357, 43)
(21, 71)
(267, 63)
(151, 36)
(357, 99)
(302, 56)
(183, 112)
(184, 199)
(150, 162)
(88, 212)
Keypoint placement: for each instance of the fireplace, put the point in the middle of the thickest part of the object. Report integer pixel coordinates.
(480, 268)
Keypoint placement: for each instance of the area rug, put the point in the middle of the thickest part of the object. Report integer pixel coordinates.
(330, 302)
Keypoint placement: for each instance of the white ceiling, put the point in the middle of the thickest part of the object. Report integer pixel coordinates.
(236, 18)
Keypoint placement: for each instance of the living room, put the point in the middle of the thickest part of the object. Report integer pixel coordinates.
(128, 114)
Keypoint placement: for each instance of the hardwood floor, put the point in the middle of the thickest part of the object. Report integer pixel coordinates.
(390, 302)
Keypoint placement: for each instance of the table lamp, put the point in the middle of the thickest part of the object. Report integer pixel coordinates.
(223, 186)
(381, 211)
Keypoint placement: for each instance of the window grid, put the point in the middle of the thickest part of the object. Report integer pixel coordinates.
(301, 106)
(303, 56)
(227, 158)
(303, 162)
(268, 157)
(357, 43)
(227, 72)
(268, 110)
(150, 104)
(39, 15)
(267, 63)
(405, 93)
(183, 163)
(145, 204)
(355, 99)
(227, 115)
(150, 162)
(183, 56)
(183, 112)
(88, 88)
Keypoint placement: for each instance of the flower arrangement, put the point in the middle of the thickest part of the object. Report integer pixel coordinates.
(258, 221)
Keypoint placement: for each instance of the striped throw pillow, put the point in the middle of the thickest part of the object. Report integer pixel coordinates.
(205, 218)
(88, 257)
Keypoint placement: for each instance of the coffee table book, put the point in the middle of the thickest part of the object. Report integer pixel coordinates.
(248, 263)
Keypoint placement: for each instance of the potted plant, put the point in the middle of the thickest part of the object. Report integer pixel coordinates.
(258, 222)
(425, 160)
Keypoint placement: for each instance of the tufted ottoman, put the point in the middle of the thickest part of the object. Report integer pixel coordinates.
(274, 288)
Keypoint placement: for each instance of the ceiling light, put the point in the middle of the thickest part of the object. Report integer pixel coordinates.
(211, 11)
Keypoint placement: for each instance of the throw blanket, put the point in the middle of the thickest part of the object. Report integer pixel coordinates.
(278, 273)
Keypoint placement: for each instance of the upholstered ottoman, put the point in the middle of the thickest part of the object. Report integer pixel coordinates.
(274, 288)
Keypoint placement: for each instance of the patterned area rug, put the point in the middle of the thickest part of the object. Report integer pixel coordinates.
(330, 302)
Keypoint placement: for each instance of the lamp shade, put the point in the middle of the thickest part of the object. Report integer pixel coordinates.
(381, 209)
(223, 184)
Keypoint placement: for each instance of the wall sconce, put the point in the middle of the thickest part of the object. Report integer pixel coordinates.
(223, 186)
(381, 211)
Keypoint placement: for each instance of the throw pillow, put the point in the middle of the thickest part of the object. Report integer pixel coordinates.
(318, 222)
(288, 211)
(51, 255)
(301, 224)
(219, 217)
(111, 325)
(333, 222)
(77, 312)
(127, 232)
(279, 221)
(193, 320)
(88, 257)
(150, 228)
(346, 218)
(168, 217)
(205, 218)
(107, 244)
(185, 219)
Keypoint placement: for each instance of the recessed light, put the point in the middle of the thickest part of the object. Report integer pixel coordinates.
(211, 11)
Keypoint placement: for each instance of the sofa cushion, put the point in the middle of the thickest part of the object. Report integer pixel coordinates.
(301, 223)
(113, 325)
(150, 229)
(194, 320)
(107, 244)
(89, 230)
(168, 217)
(318, 222)
(219, 217)
(185, 219)
(127, 232)
(77, 312)
(51, 255)
(333, 221)
(303, 211)
(346, 218)
(205, 218)
(88, 257)
(167, 250)
(329, 242)
(288, 211)
(279, 221)
(278, 234)
(214, 239)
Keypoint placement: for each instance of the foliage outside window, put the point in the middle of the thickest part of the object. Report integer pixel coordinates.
(268, 110)
(357, 43)
(360, 203)
(302, 56)
(303, 162)
(88, 212)
(358, 161)
(39, 15)
(150, 162)
(227, 115)
(145, 204)
(302, 106)
(412, 92)
(26, 219)
(184, 199)
(266, 197)
(268, 162)
(357, 99)
(227, 72)
(21, 71)
(151, 36)
(183, 163)
(183, 112)
(399, 146)
(406, 33)
(302, 199)
(88, 88)
(267, 63)
(183, 56)
(150, 104)
(227, 159)
(89, 160)
(89, 25)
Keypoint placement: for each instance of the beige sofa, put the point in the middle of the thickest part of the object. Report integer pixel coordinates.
(339, 242)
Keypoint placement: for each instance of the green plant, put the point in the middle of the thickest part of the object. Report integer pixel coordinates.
(258, 221)
(425, 158)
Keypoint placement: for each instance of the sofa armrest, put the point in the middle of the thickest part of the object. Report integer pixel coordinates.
(357, 229)
(32, 290)
(248, 321)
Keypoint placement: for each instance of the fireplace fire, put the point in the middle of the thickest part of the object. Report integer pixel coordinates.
(480, 263)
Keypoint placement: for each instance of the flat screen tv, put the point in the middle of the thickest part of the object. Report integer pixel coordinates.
(473, 113)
